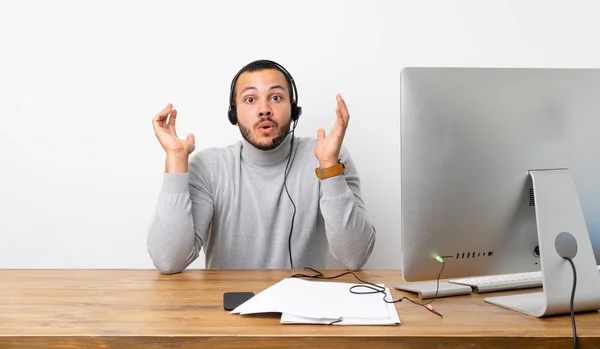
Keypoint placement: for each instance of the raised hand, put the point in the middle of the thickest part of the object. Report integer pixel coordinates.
(164, 129)
(328, 148)
(178, 150)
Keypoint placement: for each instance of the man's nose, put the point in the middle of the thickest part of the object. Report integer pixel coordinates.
(264, 112)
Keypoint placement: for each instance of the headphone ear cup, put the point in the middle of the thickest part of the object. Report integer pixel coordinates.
(232, 115)
(296, 111)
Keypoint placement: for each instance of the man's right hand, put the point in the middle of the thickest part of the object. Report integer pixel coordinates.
(178, 150)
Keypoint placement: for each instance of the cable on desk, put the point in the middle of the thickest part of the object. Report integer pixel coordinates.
(373, 288)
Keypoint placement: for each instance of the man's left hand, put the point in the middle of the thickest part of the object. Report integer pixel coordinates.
(328, 148)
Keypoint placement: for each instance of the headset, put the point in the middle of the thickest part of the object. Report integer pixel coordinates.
(296, 109)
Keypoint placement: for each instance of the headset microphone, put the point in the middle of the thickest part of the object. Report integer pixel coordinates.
(277, 140)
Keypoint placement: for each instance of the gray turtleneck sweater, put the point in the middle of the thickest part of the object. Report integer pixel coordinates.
(233, 203)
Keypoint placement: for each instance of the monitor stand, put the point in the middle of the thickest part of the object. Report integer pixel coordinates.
(557, 210)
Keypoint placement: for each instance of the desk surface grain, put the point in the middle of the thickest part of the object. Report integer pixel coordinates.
(142, 308)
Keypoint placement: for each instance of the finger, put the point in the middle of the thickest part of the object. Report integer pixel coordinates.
(339, 128)
(340, 114)
(171, 123)
(190, 138)
(165, 112)
(158, 122)
(160, 118)
(343, 108)
(340, 123)
(320, 134)
(155, 123)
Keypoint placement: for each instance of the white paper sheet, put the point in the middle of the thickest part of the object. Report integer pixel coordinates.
(322, 302)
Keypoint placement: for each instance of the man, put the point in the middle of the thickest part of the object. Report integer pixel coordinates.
(271, 200)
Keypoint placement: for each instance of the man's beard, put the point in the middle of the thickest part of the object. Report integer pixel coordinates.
(264, 143)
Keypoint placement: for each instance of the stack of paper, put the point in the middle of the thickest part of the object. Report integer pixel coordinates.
(322, 302)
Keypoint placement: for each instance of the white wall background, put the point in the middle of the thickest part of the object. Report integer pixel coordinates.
(81, 80)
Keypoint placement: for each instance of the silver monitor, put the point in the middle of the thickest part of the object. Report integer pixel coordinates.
(495, 164)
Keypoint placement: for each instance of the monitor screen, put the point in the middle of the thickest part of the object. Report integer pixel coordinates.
(471, 141)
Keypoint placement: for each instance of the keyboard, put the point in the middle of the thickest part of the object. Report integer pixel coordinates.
(503, 282)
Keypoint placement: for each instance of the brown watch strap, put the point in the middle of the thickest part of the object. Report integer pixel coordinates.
(336, 170)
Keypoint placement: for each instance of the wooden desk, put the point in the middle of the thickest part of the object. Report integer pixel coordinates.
(142, 308)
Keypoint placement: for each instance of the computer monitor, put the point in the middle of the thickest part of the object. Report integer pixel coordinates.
(495, 164)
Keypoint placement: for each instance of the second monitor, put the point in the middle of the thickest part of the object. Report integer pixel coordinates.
(496, 163)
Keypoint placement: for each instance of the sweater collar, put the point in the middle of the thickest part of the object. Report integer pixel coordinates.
(266, 157)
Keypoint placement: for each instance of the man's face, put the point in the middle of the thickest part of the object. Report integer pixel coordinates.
(263, 107)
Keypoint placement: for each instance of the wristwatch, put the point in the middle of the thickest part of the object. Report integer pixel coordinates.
(336, 170)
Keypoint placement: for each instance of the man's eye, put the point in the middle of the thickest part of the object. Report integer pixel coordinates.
(249, 100)
(276, 98)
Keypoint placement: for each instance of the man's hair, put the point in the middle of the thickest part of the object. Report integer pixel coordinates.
(258, 66)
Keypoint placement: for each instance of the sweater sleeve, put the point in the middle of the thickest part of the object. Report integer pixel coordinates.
(349, 230)
(182, 217)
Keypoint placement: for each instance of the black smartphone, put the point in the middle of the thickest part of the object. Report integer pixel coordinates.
(232, 300)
